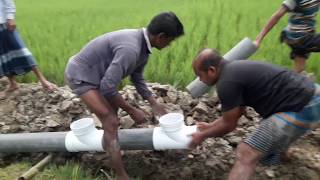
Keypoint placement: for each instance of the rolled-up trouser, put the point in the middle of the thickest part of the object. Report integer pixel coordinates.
(303, 46)
(78, 87)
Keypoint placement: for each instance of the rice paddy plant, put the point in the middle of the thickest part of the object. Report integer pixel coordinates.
(55, 30)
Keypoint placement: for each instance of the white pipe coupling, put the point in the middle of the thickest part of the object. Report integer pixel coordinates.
(172, 133)
(84, 136)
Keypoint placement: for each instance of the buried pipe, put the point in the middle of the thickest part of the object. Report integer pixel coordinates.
(244, 49)
(172, 134)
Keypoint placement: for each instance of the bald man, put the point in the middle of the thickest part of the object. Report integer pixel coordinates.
(289, 104)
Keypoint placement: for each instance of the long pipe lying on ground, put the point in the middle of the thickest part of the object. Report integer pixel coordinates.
(241, 51)
(172, 134)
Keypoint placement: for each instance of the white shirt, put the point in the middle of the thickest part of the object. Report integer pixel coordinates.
(7, 10)
(291, 4)
(145, 34)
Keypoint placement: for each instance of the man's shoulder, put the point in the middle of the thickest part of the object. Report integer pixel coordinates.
(237, 65)
(244, 71)
(126, 38)
(125, 33)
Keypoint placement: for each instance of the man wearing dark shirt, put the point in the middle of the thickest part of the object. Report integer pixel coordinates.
(288, 102)
(96, 71)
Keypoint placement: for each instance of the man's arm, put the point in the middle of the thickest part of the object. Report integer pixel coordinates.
(272, 21)
(136, 114)
(157, 108)
(227, 123)
(123, 60)
(139, 82)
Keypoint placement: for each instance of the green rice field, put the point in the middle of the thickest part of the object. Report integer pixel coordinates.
(54, 30)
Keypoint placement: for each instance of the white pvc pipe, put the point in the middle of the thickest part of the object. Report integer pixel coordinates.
(84, 136)
(172, 134)
(244, 49)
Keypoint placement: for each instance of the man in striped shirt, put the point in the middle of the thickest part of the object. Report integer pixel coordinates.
(299, 34)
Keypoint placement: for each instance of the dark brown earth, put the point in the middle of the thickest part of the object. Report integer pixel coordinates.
(32, 110)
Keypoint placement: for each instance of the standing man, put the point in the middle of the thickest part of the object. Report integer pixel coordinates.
(96, 71)
(289, 104)
(300, 34)
(15, 58)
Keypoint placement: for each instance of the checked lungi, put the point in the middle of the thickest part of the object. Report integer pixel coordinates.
(277, 132)
(15, 58)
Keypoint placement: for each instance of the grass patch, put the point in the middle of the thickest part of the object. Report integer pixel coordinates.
(69, 171)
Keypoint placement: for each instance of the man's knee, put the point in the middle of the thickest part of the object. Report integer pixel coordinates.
(103, 114)
(115, 109)
(110, 123)
(247, 154)
(108, 118)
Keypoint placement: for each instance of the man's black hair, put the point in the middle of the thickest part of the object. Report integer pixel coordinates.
(167, 23)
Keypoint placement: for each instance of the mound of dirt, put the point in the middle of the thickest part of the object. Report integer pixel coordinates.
(30, 109)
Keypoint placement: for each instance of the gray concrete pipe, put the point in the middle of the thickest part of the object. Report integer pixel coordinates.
(244, 49)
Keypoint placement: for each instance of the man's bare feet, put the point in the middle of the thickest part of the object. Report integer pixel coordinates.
(3, 95)
(12, 87)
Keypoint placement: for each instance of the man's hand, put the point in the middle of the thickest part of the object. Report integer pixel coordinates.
(197, 139)
(137, 115)
(257, 43)
(11, 23)
(158, 110)
(201, 126)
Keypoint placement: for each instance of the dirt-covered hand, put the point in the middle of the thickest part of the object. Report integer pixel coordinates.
(201, 126)
(196, 139)
(137, 115)
(158, 110)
